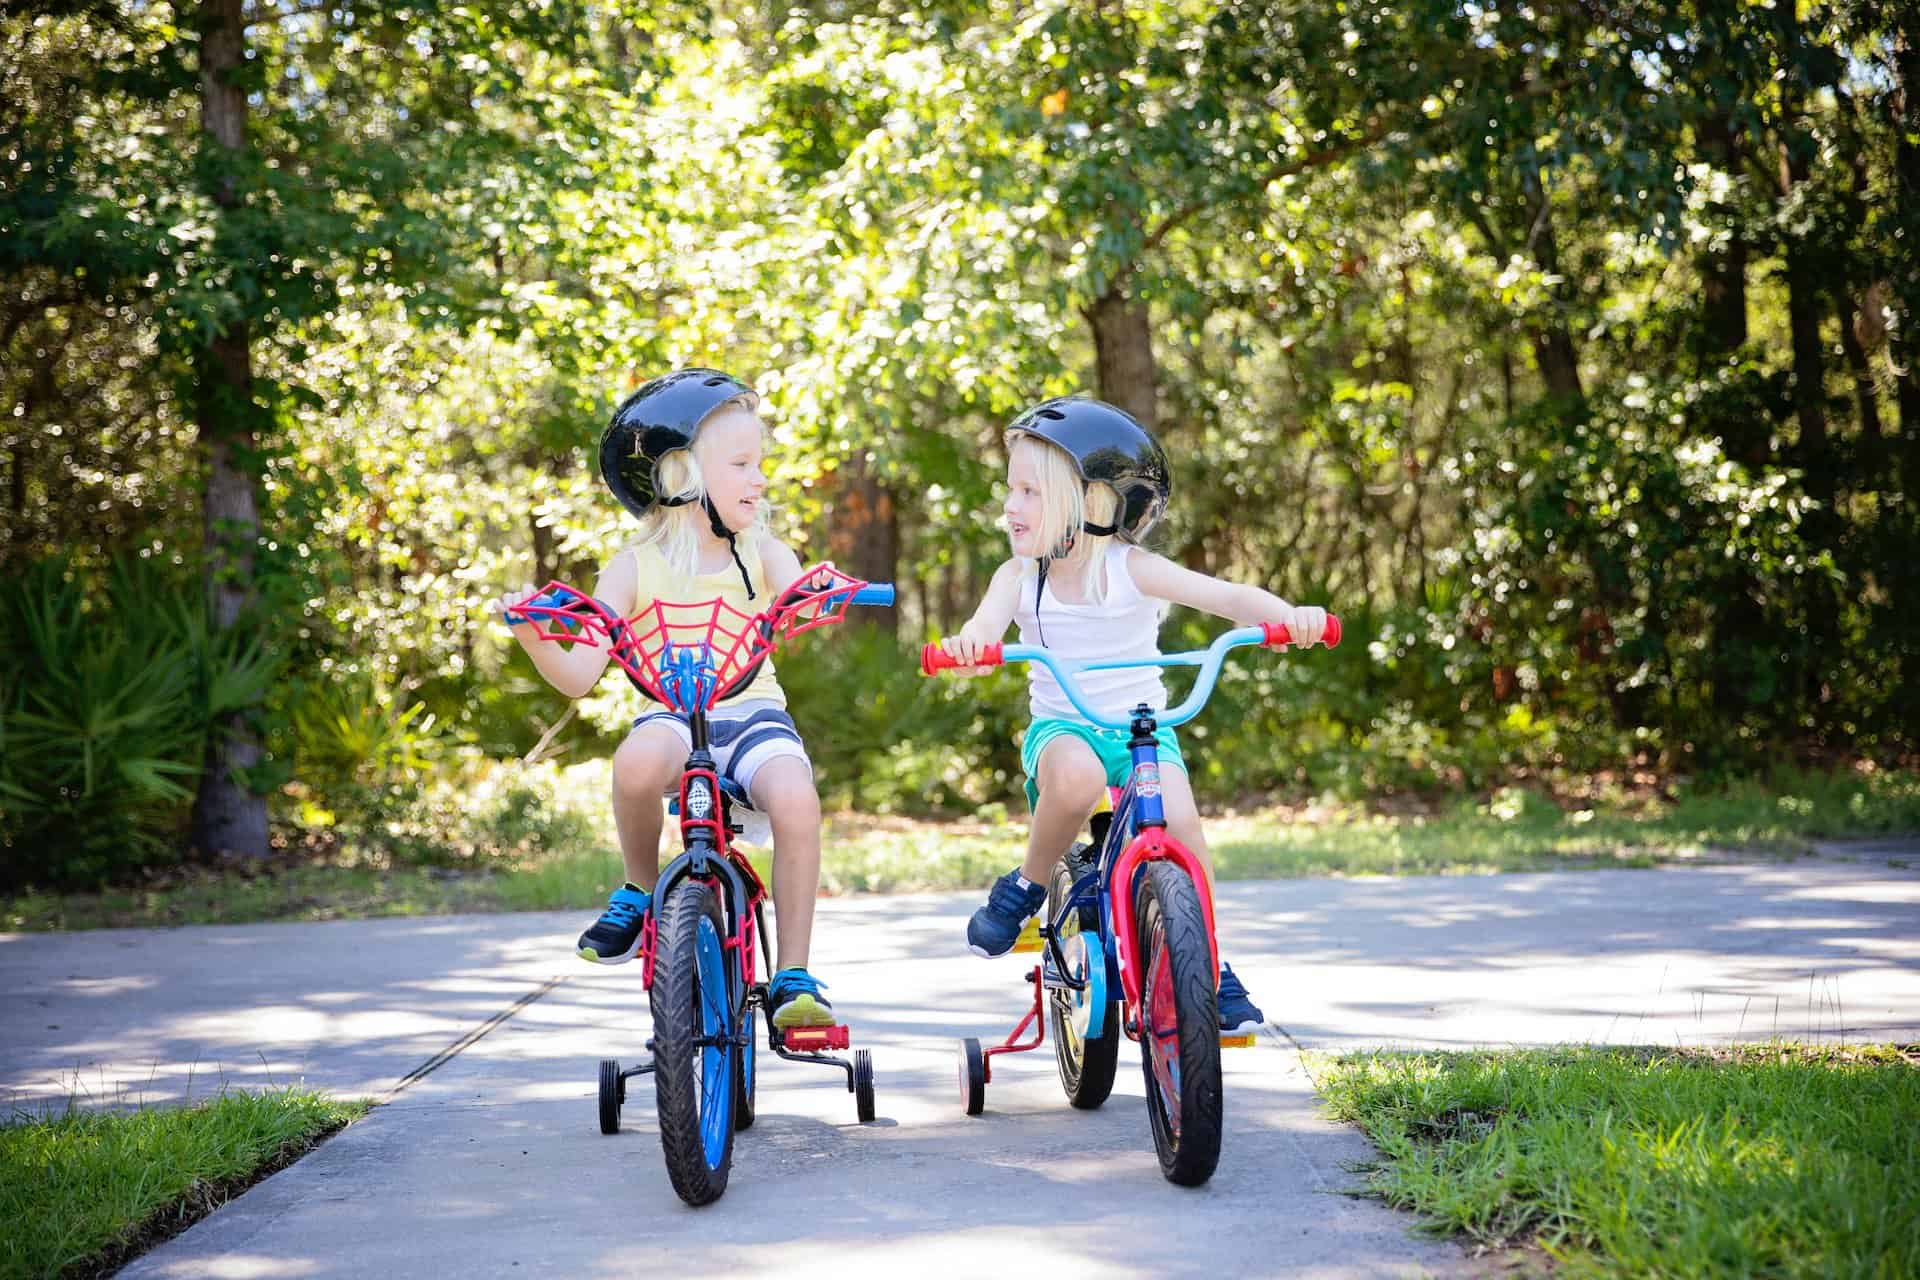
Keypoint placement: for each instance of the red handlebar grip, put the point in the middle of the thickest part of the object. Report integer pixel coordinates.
(934, 659)
(1278, 635)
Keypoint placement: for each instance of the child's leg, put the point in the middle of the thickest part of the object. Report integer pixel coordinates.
(783, 790)
(1071, 779)
(1238, 1012)
(644, 766)
(1183, 818)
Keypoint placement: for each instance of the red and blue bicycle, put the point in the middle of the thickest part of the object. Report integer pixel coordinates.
(699, 937)
(1128, 940)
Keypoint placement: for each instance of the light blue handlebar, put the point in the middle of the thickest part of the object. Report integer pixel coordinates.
(1207, 659)
(877, 593)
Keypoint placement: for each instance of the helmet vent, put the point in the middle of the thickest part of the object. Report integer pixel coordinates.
(1054, 414)
(713, 382)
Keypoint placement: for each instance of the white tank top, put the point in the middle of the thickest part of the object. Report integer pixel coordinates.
(1124, 625)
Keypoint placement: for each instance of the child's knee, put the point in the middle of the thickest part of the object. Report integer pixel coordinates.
(645, 763)
(784, 789)
(1072, 779)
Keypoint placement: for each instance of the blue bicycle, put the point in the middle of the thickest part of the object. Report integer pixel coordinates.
(1129, 940)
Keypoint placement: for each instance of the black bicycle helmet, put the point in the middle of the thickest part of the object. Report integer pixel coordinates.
(654, 421)
(1108, 445)
(660, 417)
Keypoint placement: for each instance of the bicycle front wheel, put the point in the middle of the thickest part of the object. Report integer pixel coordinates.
(1085, 1024)
(693, 1051)
(1179, 1025)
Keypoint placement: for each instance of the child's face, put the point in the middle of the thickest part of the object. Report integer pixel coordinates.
(730, 461)
(1022, 507)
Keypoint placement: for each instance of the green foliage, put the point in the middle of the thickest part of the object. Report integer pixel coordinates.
(886, 739)
(78, 1189)
(1766, 1160)
(113, 683)
(1476, 325)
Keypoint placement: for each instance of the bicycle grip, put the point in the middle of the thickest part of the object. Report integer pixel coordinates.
(558, 598)
(874, 593)
(934, 659)
(1278, 636)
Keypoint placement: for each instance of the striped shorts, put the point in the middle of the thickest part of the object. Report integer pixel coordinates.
(743, 737)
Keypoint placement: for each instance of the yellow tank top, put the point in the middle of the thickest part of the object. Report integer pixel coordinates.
(656, 580)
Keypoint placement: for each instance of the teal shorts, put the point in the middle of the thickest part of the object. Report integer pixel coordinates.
(1109, 748)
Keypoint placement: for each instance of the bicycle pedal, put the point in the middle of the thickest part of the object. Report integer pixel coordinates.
(1237, 1040)
(810, 1038)
(1029, 939)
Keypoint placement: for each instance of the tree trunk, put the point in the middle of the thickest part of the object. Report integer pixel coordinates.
(1866, 396)
(1552, 344)
(1905, 347)
(1723, 328)
(1123, 356)
(229, 817)
(863, 538)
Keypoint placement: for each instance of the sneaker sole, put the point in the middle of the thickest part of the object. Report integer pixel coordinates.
(594, 957)
(803, 1011)
(1244, 1029)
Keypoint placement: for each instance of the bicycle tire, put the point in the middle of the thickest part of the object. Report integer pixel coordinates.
(694, 1083)
(1179, 1025)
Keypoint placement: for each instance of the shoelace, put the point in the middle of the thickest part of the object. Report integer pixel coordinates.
(620, 911)
(1230, 985)
(801, 983)
(1008, 896)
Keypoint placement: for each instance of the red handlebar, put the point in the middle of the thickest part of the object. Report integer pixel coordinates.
(1278, 636)
(934, 659)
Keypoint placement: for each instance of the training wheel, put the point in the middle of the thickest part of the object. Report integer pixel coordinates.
(973, 1076)
(863, 1084)
(613, 1092)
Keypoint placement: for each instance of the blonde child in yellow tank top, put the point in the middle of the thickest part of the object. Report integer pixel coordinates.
(685, 454)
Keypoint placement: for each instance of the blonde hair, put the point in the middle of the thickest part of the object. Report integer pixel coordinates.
(1067, 505)
(675, 531)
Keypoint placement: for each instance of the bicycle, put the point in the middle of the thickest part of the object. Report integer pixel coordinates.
(1129, 946)
(698, 937)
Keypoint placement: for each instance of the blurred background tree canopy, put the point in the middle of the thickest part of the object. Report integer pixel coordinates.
(1566, 349)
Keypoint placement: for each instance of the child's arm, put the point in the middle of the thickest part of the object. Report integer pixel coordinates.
(574, 669)
(1248, 606)
(990, 621)
(781, 566)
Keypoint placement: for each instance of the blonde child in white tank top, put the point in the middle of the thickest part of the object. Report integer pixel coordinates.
(1085, 482)
(684, 453)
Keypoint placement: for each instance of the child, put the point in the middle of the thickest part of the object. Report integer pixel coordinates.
(1085, 482)
(684, 453)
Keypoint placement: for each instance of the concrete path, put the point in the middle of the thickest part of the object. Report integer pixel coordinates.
(490, 1163)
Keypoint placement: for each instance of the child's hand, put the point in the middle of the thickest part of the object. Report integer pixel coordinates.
(498, 609)
(965, 649)
(1305, 623)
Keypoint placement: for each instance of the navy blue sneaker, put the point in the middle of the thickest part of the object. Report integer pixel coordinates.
(1239, 1015)
(615, 937)
(796, 1000)
(995, 927)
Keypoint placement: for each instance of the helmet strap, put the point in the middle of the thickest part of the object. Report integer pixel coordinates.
(720, 530)
(1039, 587)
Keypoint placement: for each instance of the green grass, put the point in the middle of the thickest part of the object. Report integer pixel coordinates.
(87, 1190)
(1514, 830)
(1779, 1160)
